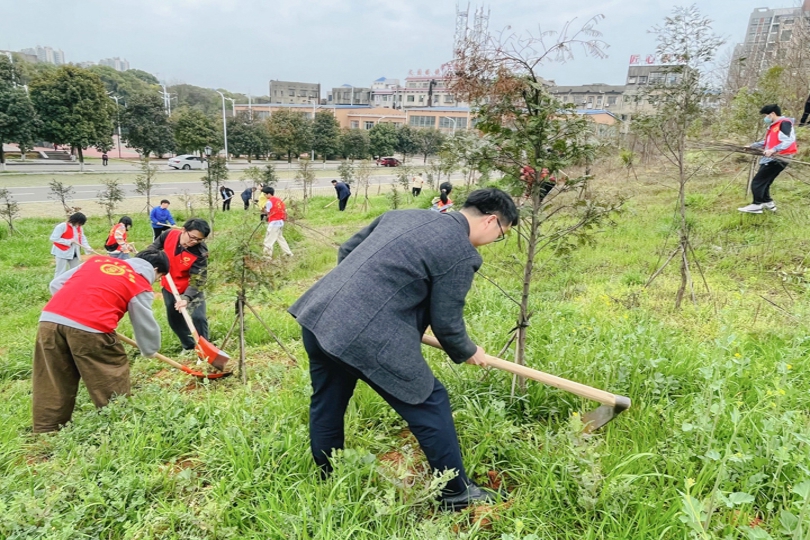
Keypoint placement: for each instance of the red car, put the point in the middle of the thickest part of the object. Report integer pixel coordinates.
(389, 162)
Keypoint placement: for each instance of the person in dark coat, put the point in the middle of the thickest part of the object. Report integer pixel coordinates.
(227, 195)
(364, 320)
(343, 194)
(247, 195)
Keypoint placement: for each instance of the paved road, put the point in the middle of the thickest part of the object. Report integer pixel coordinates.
(41, 166)
(167, 189)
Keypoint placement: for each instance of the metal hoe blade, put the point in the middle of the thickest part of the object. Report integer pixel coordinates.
(604, 414)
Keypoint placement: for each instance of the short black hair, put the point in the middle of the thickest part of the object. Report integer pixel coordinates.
(126, 220)
(772, 108)
(199, 225)
(268, 189)
(165, 201)
(157, 258)
(491, 201)
(334, 181)
(77, 219)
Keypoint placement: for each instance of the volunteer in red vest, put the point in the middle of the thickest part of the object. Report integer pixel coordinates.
(188, 266)
(67, 239)
(76, 333)
(443, 202)
(780, 141)
(276, 216)
(116, 244)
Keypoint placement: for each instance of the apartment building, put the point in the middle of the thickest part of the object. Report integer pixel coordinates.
(291, 93)
(46, 55)
(118, 64)
(349, 95)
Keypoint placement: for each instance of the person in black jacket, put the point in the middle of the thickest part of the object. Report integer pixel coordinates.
(364, 320)
(227, 195)
(343, 194)
(247, 195)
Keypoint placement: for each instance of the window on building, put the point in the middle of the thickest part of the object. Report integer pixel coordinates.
(657, 77)
(302, 93)
(672, 78)
(446, 122)
(632, 80)
(355, 124)
(292, 93)
(786, 35)
(410, 99)
(369, 125)
(611, 100)
(642, 79)
(449, 99)
(421, 99)
(422, 121)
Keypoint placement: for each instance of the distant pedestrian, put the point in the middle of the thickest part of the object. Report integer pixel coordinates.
(417, 182)
(276, 213)
(161, 218)
(227, 195)
(247, 195)
(780, 140)
(116, 244)
(343, 194)
(104, 159)
(443, 203)
(67, 239)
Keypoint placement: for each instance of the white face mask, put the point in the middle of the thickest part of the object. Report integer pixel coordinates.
(767, 121)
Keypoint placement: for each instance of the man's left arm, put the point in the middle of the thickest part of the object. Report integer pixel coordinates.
(144, 325)
(447, 299)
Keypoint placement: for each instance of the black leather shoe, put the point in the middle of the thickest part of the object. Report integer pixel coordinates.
(472, 495)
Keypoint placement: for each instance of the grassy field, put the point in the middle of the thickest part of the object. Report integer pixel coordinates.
(717, 444)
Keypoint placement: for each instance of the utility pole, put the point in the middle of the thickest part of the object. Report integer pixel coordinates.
(224, 123)
(118, 121)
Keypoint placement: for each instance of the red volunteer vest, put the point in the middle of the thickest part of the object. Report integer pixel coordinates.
(68, 235)
(105, 286)
(179, 265)
(772, 138)
(278, 211)
(112, 244)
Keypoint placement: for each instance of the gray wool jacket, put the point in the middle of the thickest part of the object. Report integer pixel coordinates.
(409, 269)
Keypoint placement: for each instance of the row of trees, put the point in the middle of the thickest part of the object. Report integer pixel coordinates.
(71, 106)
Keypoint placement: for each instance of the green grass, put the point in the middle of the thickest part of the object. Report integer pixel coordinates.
(720, 389)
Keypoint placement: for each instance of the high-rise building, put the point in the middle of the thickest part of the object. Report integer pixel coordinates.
(47, 55)
(294, 92)
(770, 35)
(118, 64)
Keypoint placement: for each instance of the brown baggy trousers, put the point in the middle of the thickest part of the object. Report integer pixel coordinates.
(62, 356)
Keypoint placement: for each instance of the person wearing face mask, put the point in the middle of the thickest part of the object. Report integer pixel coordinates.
(780, 141)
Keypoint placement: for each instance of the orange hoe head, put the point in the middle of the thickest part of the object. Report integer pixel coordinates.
(209, 352)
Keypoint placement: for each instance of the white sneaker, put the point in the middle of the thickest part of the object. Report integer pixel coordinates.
(769, 206)
(751, 209)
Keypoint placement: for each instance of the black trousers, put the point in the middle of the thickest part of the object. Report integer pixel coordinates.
(416, 191)
(247, 203)
(761, 184)
(157, 231)
(333, 383)
(342, 203)
(177, 323)
(226, 204)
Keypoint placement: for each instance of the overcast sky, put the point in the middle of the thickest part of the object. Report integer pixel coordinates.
(242, 44)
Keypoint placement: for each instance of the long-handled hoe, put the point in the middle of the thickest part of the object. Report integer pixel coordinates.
(612, 405)
(206, 351)
(177, 365)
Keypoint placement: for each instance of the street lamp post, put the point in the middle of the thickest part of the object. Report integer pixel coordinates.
(454, 123)
(224, 124)
(233, 106)
(118, 121)
(313, 139)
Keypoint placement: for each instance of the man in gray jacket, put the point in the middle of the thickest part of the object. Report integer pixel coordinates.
(364, 321)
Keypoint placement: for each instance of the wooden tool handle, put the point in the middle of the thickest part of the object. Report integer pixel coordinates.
(159, 356)
(186, 316)
(581, 390)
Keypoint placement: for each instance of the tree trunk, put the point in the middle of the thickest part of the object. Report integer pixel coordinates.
(684, 233)
(2, 158)
(523, 317)
(81, 160)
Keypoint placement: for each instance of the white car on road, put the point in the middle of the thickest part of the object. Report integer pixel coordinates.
(186, 162)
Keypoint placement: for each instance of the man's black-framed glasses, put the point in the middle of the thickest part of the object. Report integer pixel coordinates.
(502, 235)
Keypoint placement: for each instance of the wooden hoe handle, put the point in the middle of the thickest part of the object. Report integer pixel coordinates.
(576, 388)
